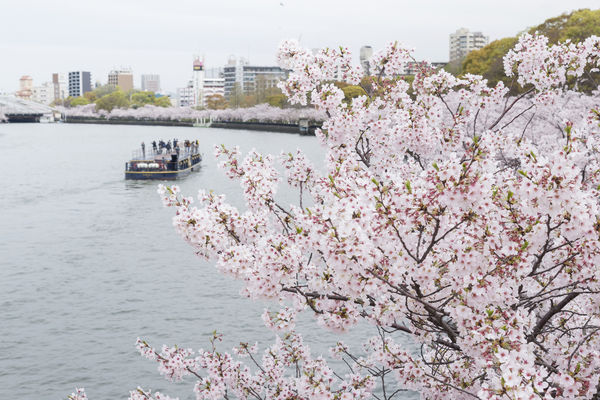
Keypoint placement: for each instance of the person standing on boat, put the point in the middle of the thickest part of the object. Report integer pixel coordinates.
(143, 150)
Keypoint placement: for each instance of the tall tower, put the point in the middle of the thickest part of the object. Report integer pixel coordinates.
(198, 83)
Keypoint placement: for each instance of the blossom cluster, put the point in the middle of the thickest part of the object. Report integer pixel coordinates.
(264, 379)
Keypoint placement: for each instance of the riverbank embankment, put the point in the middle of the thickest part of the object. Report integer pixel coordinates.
(245, 125)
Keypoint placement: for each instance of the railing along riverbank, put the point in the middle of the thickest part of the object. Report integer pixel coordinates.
(303, 127)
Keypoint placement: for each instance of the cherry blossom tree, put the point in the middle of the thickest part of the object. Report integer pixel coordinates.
(258, 113)
(455, 217)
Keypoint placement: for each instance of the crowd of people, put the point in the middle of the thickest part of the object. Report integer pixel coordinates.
(169, 146)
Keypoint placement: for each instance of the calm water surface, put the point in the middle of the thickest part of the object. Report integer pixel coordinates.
(89, 262)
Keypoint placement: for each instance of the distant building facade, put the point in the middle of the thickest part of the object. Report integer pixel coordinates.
(212, 87)
(80, 82)
(248, 78)
(463, 41)
(185, 95)
(25, 91)
(122, 78)
(365, 54)
(151, 83)
(60, 86)
(44, 93)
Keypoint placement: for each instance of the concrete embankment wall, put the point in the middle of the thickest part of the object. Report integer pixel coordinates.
(264, 126)
(254, 126)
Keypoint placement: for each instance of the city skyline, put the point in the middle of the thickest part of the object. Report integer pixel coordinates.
(69, 36)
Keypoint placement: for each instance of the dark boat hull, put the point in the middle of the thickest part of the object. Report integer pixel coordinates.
(145, 174)
(164, 175)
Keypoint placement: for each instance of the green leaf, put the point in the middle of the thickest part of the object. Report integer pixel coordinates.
(407, 185)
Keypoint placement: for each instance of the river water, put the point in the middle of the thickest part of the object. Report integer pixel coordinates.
(89, 262)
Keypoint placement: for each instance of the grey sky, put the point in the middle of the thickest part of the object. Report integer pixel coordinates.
(39, 37)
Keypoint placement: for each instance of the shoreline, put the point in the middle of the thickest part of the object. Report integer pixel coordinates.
(253, 126)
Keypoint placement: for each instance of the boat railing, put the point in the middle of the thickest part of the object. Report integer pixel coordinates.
(151, 154)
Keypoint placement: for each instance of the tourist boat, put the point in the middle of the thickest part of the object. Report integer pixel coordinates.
(163, 164)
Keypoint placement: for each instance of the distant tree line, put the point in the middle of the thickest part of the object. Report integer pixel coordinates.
(108, 97)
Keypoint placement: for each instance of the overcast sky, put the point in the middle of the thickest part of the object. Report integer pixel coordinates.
(38, 37)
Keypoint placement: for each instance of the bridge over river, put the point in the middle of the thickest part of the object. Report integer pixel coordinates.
(13, 109)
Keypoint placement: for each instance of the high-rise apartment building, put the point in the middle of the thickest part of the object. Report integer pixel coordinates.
(365, 53)
(122, 78)
(80, 82)
(248, 78)
(462, 42)
(151, 83)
